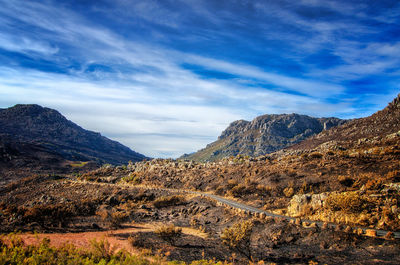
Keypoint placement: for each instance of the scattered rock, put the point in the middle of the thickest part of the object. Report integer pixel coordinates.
(389, 235)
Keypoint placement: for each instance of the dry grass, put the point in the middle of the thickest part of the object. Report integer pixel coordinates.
(169, 233)
(115, 218)
(349, 202)
(78, 164)
(167, 201)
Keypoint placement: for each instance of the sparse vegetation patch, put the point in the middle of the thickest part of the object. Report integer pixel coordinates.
(167, 201)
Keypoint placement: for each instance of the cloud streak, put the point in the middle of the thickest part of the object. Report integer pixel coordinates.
(166, 79)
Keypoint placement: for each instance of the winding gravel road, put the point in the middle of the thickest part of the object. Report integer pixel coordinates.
(252, 210)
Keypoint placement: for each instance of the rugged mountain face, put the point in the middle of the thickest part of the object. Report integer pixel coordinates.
(46, 131)
(370, 129)
(263, 135)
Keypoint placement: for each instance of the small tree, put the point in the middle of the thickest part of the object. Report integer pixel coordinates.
(238, 236)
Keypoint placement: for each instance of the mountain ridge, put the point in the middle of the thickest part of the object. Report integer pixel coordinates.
(264, 134)
(33, 124)
(378, 125)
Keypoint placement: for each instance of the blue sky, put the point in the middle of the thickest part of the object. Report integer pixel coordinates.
(166, 77)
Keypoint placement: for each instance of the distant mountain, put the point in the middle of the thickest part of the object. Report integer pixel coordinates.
(45, 132)
(370, 129)
(263, 135)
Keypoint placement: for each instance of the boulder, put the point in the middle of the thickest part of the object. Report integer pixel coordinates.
(299, 202)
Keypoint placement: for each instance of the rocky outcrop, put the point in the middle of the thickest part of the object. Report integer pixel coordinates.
(265, 134)
(300, 203)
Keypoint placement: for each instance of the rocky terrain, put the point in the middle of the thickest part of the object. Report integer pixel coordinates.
(264, 135)
(173, 225)
(47, 127)
(33, 138)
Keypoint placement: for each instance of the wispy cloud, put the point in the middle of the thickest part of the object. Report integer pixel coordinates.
(25, 45)
(308, 87)
(139, 118)
(166, 78)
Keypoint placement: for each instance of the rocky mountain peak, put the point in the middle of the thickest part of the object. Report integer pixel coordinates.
(233, 127)
(264, 134)
(30, 110)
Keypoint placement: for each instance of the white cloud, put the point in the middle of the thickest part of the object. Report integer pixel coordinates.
(141, 118)
(361, 60)
(149, 101)
(308, 87)
(25, 45)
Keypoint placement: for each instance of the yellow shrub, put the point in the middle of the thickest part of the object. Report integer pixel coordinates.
(288, 191)
(349, 202)
(237, 234)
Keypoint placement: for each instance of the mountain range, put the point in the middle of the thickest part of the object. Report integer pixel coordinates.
(32, 136)
(265, 134)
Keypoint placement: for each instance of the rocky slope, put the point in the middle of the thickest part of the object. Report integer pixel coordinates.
(34, 132)
(364, 130)
(265, 134)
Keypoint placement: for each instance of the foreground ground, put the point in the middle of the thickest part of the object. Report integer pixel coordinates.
(174, 226)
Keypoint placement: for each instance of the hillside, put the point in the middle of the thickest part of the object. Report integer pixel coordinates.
(368, 130)
(34, 131)
(265, 134)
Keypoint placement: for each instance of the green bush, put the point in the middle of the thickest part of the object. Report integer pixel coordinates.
(14, 252)
(101, 250)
